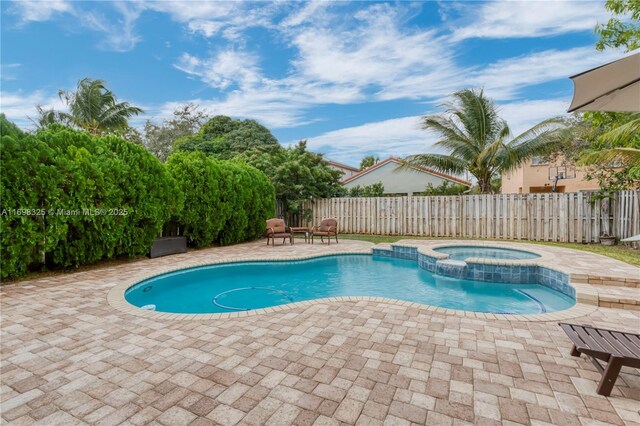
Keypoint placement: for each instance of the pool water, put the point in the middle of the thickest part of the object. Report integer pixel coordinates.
(244, 286)
(464, 252)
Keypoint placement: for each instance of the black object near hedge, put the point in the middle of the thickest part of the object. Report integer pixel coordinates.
(165, 246)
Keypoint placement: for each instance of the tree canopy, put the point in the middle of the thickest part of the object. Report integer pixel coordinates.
(297, 174)
(623, 28)
(186, 121)
(224, 137)
(368, 161)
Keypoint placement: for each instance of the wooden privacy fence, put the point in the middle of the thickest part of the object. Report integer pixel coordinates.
(565, 217)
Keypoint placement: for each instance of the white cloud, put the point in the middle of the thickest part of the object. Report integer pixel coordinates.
(8, 71)
(182, 11)
(38, 11)
(226, 68)
(19, 107)
(273, 113)
(308, 13)
(504, 79)
(524, 114)
(210, 18)
(119, 34)
(396, 137)
(206, 28)
(372, 54)
(510, 19)
(335, 64)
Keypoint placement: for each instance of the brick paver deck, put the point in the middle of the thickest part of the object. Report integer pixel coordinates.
(69, 357)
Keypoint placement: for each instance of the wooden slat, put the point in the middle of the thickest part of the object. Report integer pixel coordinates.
(624, 344)
(606, 341)
(589, 341)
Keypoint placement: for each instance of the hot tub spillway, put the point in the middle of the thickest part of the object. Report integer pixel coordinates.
(451, 268)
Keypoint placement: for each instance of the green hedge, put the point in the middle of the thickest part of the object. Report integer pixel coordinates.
(68, 198)
(225, 202)
(76, 199)
(202, 182)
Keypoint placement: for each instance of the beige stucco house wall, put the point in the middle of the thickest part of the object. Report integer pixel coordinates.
(406, 181)
(533, 177)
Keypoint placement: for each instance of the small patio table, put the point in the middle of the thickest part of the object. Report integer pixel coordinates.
(301, 230)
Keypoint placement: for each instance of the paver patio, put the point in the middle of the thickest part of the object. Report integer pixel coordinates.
(69, 357)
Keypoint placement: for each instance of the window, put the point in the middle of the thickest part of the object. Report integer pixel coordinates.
(538, 161)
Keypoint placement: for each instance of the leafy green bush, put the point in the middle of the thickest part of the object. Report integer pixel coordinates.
(253, 200)
(24, 181)
(225, 202)
(261, 204)
(373, 190)
(445, 188)
(86, 198)
(202, 181)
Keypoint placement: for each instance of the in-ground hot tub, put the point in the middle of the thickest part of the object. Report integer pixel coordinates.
(485, 252)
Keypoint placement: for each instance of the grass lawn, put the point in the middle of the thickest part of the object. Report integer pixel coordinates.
(619, 252)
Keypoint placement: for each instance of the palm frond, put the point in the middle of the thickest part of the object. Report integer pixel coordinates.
(624, 135)
(438, 162)
(611, 156)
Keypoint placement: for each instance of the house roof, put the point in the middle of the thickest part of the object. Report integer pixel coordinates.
(343, 166)
(418, 168)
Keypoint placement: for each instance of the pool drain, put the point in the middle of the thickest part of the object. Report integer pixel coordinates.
(147, 288)
(233, 308)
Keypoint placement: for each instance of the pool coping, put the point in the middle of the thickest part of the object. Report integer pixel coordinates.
(584, 298)
(431, 252)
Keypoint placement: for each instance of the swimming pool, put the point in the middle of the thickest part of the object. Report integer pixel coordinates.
(245, 286)
(465, 252)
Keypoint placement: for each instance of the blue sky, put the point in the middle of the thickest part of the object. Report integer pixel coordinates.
(351, 77)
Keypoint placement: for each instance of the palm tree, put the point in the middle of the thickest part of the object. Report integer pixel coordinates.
(94, 108)
(47, 117)
(622, 144)
(478, 140)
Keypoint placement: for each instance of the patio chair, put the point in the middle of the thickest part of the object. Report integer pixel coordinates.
(277, 229)
(616, 348)
(327, 228)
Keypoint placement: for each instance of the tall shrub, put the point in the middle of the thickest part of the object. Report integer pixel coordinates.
(236, 193)
(262, 203)
(85, 198)
(203, 181)
(226, 202)
(151, 195)
(253, 198)
(27, 179)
